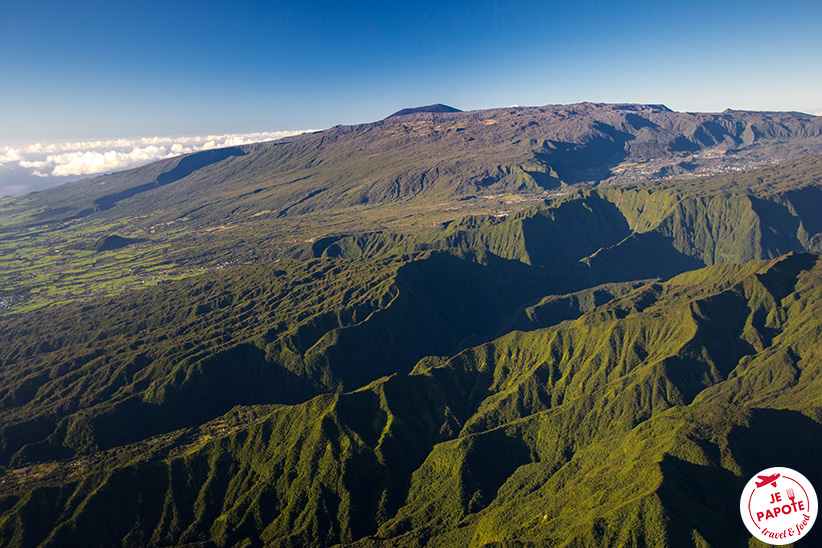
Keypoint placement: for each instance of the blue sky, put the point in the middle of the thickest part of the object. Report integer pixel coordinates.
(110, 69)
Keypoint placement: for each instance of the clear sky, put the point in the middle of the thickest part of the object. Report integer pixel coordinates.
(109, 69)
(78, 70)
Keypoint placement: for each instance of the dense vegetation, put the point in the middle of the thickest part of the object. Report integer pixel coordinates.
(638, 422)
(267, 362)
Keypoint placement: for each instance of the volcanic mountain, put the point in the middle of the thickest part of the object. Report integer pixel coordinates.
(579, 325)
(438, 108)
(428, 157)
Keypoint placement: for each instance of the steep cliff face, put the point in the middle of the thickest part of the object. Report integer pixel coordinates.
(731, 218)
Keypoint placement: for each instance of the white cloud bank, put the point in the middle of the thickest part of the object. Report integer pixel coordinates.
(91, 157)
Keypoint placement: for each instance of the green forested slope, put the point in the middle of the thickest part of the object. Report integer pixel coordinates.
(80, 378)
(396, 361)
(637, 423)
(185, 352)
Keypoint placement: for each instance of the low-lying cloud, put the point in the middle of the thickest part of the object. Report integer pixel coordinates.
(92, 161)
(20, 166)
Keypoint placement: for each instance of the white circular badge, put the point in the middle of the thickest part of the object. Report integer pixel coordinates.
(779, 505)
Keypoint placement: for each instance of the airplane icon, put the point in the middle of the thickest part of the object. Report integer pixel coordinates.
(764, 480)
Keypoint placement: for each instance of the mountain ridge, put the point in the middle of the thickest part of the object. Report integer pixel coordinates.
(454, 155)
(431, 330)
(437, 108)
(481, 425)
